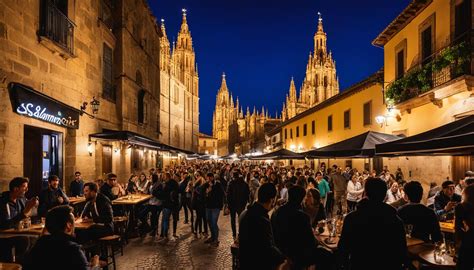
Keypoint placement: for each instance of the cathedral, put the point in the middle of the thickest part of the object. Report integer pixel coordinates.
(235, 131)
(179, 97)
(320, 82)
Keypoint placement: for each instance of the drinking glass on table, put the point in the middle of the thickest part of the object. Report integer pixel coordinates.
(409, 229)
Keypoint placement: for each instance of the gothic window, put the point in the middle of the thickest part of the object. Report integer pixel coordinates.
(141, 106)
(108, 90)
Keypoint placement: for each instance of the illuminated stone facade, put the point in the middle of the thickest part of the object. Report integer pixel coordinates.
(320, 82)
(109, 50)
(236, 132)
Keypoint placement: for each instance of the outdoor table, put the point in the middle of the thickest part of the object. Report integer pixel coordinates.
(79, 225)
(130, 204)
(428, 257)
(33, 230)
(9, 266)
(447, 226)
(76, 200)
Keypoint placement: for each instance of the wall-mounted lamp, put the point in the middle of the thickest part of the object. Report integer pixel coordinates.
(94, 105)
(381, 120)
(90, 148)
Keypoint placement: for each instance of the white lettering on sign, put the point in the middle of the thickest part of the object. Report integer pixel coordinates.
(38, 112)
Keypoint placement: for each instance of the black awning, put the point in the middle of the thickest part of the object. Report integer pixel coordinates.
(360, 146)
(129, 137)
(455, 138)
(279, 154)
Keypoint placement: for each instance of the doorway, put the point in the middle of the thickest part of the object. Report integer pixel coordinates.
(42, 157)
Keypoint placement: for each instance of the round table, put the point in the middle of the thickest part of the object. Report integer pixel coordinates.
(428, 257)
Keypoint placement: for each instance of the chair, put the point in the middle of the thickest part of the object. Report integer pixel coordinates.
(109, 243)
(120, 225)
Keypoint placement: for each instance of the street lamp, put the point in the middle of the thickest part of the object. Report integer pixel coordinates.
(95, 107)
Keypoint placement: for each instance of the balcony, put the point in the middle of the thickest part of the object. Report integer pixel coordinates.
(56, 27)
(436, 70)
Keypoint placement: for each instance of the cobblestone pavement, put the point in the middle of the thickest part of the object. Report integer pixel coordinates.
(186, 252)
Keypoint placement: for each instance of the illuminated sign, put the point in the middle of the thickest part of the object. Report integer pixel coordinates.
(28, 102)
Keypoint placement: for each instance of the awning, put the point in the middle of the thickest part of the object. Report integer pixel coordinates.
(278, 155)
(135, 139)
(455, 138)
(360, 146)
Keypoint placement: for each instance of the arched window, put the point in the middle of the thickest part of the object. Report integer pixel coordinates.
(141, 106)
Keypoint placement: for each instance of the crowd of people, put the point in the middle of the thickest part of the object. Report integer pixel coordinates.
(274, 212)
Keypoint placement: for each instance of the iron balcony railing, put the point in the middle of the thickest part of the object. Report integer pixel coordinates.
(56, 26)
(439, 68)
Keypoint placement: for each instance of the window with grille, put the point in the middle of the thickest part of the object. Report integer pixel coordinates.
(108, 90)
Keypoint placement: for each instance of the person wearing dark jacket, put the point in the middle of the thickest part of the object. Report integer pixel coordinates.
(257, 249)
(424, 220)
(294, 234)
(365, 231)
(446, 200)
(214, 203)
(13, 208)
(52, 196)
(238, 195)
(58, 249)
(98, 208)
(198, 204)
(76, 188)
(106, 188)
(170, 205)
(184, 198)
(464, 230)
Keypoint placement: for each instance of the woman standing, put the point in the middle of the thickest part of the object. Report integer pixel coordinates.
(354, 193)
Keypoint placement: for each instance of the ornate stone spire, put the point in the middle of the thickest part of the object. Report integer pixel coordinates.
(292, 90)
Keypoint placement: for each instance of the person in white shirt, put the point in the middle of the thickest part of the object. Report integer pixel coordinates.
(354, 192)
(393, 194)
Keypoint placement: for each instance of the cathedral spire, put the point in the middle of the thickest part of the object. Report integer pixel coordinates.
(320, 39)
(320, 23)
(223, 84)
(292, 90)
(185, 40)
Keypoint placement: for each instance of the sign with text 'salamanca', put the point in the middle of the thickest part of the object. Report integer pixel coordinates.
(31, 103)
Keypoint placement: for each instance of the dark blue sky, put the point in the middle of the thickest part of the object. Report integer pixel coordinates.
(260, 44)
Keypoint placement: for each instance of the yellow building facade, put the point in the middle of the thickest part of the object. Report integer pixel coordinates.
(427, 82)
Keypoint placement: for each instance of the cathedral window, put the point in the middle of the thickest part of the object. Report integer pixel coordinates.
(330, 123)
(347, 119)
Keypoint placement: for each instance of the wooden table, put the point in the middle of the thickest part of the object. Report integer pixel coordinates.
(131, 199)
(428, 257)
(447, 226)
(76, 200)
(34, 230)
(9, 266)
(83, 225)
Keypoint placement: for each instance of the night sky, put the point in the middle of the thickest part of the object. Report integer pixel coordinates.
(260, 44)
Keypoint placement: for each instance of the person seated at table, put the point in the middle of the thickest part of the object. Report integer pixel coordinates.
(464, 229)
(13, 208)
(393, 194)
(424, 220)
(98, 209)
(76, 188)
(58, 249)
(313, 207)
(132, 186)
(373, 236)
(257, 249)
(294, 234)
(144, 183)
(111, 189)
(52, 196)
(446, 200)
(434, 190)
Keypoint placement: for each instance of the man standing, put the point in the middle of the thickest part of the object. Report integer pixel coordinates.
(76, 187)
(99, 209)
(13, 208)
(446, 201)
(365, 231)
(214, 203)
(238, 195)
(423, 219)
(170, 205)
(340, 190)
(257, 249)
(52, 196)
